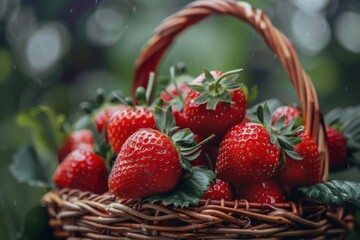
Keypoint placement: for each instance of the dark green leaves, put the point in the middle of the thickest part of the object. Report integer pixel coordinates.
(165, 120)
(334, 192)
(217, 90)
(29, 168)
(283, 135)
(189, 191)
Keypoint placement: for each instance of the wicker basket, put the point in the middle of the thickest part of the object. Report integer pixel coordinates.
(77, 215)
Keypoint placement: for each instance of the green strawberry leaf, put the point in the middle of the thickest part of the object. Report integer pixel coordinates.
(31, 168)
(189, 191)
(251, 113)
(334, 192)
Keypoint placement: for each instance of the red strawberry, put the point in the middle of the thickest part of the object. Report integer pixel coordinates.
(219, 190)
(262, 192)
(83, 170)
(148, 164)
(250, 152)
(337, 146)
(80, 139)
(214, 104)
(102, 116)
(289, 112)
(303, 172)
(124, 123)
(247, 155)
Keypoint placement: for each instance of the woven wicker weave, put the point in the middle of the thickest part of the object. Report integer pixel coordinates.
(76, 214)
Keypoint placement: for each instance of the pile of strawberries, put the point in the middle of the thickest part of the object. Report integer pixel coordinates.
(196, 140)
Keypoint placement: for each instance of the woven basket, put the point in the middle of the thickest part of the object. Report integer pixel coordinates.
(75, 214)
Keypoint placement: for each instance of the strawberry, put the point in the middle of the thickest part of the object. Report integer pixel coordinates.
(124, 123)
(288, 111)
(215, 100)
(251, 152)
(303, 172)
(262, 192)
(102, 116)
(342, 135)
(151, 162)
(219, 190)
(148, 164)
(338, 151)
(84, 170)
(80, 139)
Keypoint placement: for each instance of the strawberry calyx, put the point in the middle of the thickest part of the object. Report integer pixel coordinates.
(183, 139)
(285, 136)
(217, 90)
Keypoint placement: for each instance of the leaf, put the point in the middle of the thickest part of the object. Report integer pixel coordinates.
(169, 119)
(227, 81)
(267, 115)
(280, 122)
(203, 98)
(189, 191)
(211, 105)
(334, 192)
(45, 126)
(208, 76)
(294, 155)
(285, 143)
(197, 87)
(27, 167)
(159, 118)
(260, 113)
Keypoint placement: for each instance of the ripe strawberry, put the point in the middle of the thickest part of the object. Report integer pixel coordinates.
(262, 192)
(343, 131)
(219, 190)
(338, 152)
(305, 172)
(102, 116)
(246, 154)
(124, 123)
(150, 162)
(83, 170)
(215, 100)
(288, 111)
(251, 152)
(80, 139)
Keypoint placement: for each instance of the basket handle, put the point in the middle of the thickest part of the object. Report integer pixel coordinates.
(193, 13)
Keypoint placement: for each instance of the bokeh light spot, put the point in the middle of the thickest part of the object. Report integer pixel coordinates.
(347, 31)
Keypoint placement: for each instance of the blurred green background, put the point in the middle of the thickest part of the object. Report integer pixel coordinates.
(57, 53)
